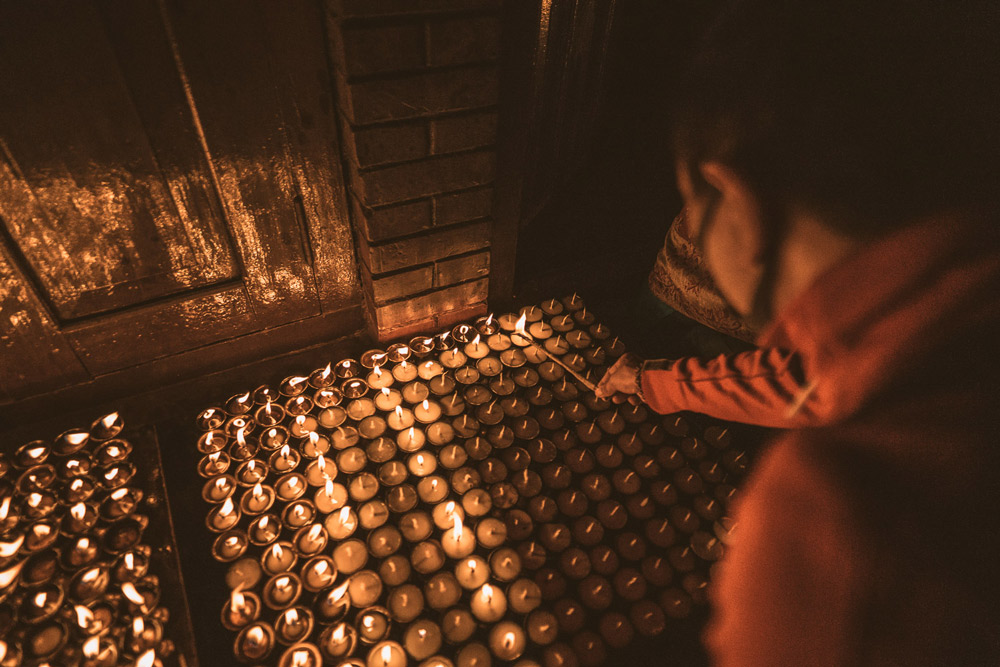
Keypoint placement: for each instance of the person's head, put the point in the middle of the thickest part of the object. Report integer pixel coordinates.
(860, 115)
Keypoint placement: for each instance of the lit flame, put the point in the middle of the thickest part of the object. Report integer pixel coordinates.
(386, 654)
(368, 622)
(109, 420)
(240, 438)
(221, 484)
(40, 599)
(80, 438)
(475, 342)
(277, 551)
(286, 452)
(519, 325)
(138, 626)
(34, 499)
(338, 634)
(258, 491)
(111, 474)
(292, 483)
(91, 575)
(326, 372)
(328, 489)
(345, 515)
(297, 380)
(113, 451)
(508, 640)
(489, 319)
(321, 567)
(8, 549)
(255, 635)
(321, 463)
(42, 529)
(488, 592)
(315, 532)
(237, 600)
(244, 398)
(78, 511)
(472, 565)
(458, 525)
(300, 420)
(300, 400)
(403, 351)
(148, 659)
(339, 592)
(292, 615)
(132, 594)
(301, 658)
(92, 647)
(403, 364)
(399, 412)
(5, 506)
(130, 561)
(251, 466)
(267, 408)
(385, 391)
(378, 373)
(227, 507)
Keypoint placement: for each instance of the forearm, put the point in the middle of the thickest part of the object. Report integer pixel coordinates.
(763, 387)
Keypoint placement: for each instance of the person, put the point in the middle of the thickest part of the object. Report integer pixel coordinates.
(839, 165)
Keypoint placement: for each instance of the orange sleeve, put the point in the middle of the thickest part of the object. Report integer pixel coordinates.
(763, 387)
(787, 590)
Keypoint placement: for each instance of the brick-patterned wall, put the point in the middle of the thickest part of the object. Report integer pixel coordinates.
(417, 87)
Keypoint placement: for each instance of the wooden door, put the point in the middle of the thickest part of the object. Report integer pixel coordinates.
(169, 178)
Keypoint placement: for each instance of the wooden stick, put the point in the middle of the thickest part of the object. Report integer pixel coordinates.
(586, 383)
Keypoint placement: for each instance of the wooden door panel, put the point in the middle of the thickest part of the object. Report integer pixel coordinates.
(34, 357)
(169, 178)
(298, 47)
(83, 195)
(225, 53)
(146, 333)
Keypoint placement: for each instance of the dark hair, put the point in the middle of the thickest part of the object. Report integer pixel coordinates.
(868, 112)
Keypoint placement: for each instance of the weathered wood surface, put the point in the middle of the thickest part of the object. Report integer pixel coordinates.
(92, 190)
(34, 356)
(169, 178)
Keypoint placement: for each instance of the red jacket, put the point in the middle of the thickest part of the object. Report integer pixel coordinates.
(869, 535)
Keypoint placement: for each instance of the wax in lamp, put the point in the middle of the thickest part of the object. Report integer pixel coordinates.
(430, 369)
(472, 572)
(401, 418)
(476, 349)
(333, 605)
(507, 641)
(458, 541)
(298, 513)
(489, 604)
(427, 412)
(338, 641)
(404, 371)
(386, 654)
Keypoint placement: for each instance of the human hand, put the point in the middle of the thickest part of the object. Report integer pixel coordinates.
(621, 383)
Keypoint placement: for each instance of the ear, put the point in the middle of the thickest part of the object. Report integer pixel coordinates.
(738, 209)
